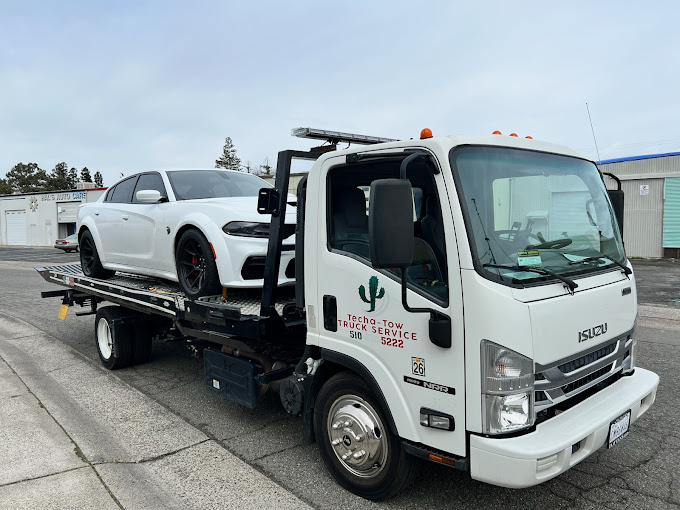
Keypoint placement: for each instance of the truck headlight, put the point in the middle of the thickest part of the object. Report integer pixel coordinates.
(246, 229)
(507, 389)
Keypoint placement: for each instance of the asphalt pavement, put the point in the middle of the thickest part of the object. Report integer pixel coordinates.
(74, 435)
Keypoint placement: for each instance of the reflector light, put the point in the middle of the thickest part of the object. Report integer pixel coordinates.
(426, 133)
(496, 133)
(513, 134)
(529, 137)
(337, 136)
(443, 460)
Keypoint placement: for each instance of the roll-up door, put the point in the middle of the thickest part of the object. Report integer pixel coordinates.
(671, 213)
(16, 227)
(67, 212)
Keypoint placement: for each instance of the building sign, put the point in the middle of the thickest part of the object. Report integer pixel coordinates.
(644, 189)
(64, 197)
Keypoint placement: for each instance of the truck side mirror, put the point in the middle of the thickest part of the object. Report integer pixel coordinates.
(390, 223)
(616, 198)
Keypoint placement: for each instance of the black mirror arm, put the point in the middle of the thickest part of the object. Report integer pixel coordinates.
(440, 324)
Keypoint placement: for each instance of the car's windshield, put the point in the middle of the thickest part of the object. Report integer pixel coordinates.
(528, 209)
(193, 184)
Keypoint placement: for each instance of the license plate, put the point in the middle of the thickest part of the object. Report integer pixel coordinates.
(618, 429)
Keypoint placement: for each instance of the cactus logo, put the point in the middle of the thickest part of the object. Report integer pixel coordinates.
(373, 293)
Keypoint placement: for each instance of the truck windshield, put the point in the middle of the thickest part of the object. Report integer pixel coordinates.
(527, 209)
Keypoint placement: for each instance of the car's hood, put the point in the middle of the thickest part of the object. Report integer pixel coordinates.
(245, 207)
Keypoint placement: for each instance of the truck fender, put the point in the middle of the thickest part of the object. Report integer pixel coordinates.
(335, 362)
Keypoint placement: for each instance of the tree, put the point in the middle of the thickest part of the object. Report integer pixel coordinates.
(85, 175)
(27, 178)
(265, 168)
(72, 178)
(228, 159)
(58, 178)
(98, 179)
(5, 188)
(248, 167)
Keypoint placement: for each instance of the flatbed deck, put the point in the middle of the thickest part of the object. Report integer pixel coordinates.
(153, 295)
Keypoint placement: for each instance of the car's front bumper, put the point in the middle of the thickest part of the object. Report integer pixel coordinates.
(533, 458)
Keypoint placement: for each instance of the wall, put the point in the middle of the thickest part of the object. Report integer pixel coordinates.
(48, 215)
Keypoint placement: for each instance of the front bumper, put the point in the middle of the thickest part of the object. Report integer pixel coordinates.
(533, 458)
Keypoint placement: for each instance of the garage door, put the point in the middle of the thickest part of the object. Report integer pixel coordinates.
(67, 212)
(16, 227)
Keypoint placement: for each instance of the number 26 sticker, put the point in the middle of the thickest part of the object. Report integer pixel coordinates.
(418, 366)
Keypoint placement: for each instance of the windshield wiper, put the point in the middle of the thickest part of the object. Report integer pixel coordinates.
(540, 270)
(625, 268)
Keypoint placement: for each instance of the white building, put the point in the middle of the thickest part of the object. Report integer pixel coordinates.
(38, 219)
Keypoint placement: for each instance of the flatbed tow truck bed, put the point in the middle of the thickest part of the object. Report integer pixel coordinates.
(239, 346)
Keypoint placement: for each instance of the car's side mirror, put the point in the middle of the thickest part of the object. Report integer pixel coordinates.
(148, 196)
(390, 223)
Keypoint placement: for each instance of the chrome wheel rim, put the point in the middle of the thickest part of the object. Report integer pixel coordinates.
(357, 436)
(104, 339)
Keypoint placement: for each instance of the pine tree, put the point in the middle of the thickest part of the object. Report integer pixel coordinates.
(27, 178)
(98, 179)
(228, 159)
(58, 178)
(85, 175)
(72, 178)
(5, 188)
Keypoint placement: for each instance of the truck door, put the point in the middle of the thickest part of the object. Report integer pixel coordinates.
(360, 311)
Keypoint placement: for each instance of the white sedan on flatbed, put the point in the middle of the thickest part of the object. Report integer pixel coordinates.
(200, 228)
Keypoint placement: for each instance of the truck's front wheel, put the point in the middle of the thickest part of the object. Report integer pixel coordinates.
(357, 446)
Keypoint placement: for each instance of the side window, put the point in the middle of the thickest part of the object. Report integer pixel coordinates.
(348, 194)
(149, 182)
(109, 194)
(123, 190)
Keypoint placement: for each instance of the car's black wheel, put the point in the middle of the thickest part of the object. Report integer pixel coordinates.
(356, 443)
(68, 251)
(114, 340)
(89, 258)
(196, 268)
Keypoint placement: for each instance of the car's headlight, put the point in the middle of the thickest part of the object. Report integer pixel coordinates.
(507, 389)
(246, 229)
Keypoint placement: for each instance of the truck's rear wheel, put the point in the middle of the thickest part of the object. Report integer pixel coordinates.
(357, 446)
(114, 342)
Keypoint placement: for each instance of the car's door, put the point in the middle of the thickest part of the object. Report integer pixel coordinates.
(146, 237)
(111, 217)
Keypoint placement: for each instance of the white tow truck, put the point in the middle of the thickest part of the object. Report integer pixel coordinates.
(465, 300)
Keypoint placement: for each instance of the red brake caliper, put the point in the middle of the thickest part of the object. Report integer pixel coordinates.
(194, 261)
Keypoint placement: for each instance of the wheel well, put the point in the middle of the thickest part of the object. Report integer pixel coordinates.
(181, 231)
(335, 363)
(81, 232)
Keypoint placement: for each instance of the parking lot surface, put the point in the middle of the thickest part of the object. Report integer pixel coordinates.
(152, 436)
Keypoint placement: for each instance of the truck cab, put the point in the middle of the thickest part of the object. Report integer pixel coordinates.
(504, 344)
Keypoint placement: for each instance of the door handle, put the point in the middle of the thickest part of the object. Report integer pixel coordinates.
(96, 213)
(125, 217)
(330, 313)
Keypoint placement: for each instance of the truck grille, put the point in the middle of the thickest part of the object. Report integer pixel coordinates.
(556, 384)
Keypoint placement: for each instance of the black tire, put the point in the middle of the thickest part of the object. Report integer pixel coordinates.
(89, 258)
(387, 468)
(114, 342)
(196, 268)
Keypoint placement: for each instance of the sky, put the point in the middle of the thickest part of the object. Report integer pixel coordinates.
(125, 86)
